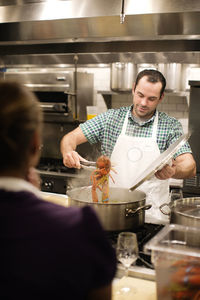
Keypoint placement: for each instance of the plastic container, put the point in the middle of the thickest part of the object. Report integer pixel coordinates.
(91, 112)
(176, 258)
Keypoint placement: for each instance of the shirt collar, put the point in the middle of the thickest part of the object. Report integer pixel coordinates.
(13, 184)
(130, 116)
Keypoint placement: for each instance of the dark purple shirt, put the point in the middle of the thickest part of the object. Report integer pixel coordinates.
(49, 251)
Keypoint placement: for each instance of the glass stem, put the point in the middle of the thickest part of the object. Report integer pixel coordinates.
(126, 272)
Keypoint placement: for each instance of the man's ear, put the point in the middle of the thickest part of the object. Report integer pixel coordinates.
(161, 98)
(133, 88)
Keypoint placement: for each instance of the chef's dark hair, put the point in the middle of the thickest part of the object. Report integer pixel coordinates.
(20, 117)
(152, 76)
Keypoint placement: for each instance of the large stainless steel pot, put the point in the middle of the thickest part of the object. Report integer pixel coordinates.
(185, 211)
(125, 209)
(122, 76)
(173, 75)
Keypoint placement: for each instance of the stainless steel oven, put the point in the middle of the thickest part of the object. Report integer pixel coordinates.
(61, 92)
(64, 96)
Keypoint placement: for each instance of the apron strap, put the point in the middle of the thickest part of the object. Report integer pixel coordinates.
(125, 124)
(155, 125)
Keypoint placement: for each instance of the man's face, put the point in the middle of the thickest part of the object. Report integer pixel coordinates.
(146, 97)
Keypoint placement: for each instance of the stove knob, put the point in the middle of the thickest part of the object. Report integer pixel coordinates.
(48, 185)
(68, 187)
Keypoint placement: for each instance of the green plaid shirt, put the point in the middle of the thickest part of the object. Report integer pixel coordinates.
(106, 128)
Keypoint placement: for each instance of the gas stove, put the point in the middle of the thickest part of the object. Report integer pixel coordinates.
(56, 178)
(54, 166)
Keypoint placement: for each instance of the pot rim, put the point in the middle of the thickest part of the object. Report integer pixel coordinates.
(101, 203)
(190, 199)
(106, 204)
(188, 216)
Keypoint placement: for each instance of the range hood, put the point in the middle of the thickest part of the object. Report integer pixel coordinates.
(97, 31)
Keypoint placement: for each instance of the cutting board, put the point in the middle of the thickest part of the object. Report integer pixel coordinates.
(59, 199)
(143, 289)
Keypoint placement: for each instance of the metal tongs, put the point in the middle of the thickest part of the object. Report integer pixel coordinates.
(88, 164)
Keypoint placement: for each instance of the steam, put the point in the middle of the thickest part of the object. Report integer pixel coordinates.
(82, 178)
(83, 175)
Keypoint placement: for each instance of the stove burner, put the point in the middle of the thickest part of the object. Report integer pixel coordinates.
(144, 234)
(55, 167)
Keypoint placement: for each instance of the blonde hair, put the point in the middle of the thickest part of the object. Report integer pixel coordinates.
(20, 117)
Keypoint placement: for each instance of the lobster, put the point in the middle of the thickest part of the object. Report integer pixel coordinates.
(100, 178)
(184, 280)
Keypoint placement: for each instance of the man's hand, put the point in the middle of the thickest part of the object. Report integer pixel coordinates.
(183, 167)
(167, 171)
(69, 142)
(72, 159)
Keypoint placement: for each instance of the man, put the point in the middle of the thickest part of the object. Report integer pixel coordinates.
(133, 137)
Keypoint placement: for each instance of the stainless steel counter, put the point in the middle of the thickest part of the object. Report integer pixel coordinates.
(137, 272)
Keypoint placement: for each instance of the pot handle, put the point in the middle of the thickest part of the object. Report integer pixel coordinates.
(168, 205)
(129, 212)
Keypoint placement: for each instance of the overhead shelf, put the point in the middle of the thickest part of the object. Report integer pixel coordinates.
(107, 95)
(167, 92)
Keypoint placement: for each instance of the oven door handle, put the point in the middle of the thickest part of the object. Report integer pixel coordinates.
(56, 107)
(49, 106)
(61, 78)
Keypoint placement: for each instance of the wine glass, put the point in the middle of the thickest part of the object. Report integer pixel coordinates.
(127, 254)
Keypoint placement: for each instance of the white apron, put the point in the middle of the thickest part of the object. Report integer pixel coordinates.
(130, 157)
